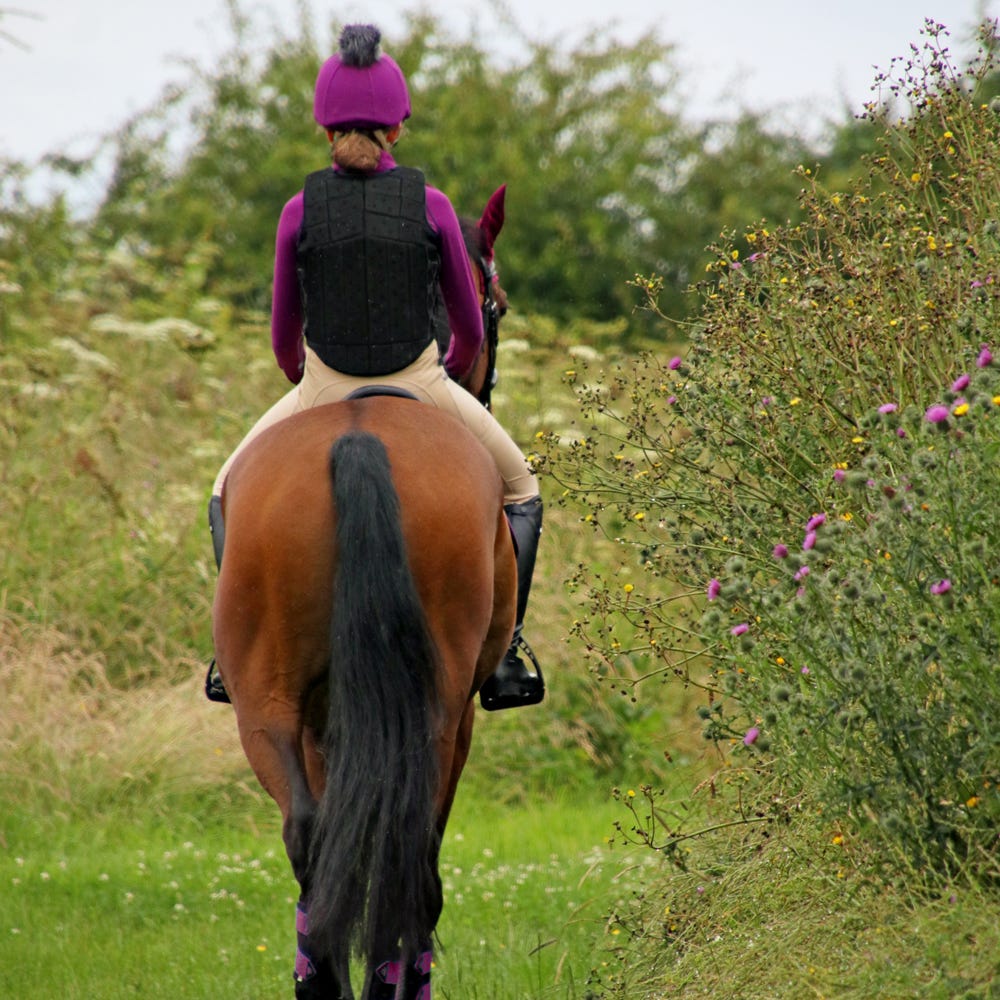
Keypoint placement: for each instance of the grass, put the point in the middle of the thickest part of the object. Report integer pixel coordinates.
(794, 915)
(138, 856)
(116, 906)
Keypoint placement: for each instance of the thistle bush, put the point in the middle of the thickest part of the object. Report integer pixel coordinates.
(806, 498)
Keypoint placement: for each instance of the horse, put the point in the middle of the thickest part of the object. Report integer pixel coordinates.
(354, 621)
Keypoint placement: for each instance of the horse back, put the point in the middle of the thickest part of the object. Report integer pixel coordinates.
(276, 580)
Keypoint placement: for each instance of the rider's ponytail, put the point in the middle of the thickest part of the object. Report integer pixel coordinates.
(358, 149)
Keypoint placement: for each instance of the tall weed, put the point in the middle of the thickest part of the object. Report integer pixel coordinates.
(806, 498)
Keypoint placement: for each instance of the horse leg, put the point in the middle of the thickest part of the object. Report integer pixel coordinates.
(274, 748)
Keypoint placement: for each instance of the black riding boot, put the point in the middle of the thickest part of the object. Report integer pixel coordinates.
(214, 689)
(513, 683)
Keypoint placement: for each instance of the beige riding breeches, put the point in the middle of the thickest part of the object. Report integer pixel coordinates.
(428, 381)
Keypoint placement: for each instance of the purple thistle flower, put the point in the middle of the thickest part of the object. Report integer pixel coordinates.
(805, 670)
(801, 574)
(936, 414)
(960, 383)
(674, 363)
(809, 541)
(815, 521)
(839, 475)
(713, 589)
(941, 587)
(900, 432)
(740, 629)
(887, 408)
(780, 551)
(985, 358)
(671, 400)
(751, 736)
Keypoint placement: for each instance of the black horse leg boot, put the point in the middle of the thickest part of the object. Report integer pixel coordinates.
(214, 688)
(513, 683)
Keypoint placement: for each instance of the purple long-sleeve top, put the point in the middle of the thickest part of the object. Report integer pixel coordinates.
(457, 287)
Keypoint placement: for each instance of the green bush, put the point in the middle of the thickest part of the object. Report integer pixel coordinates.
(799, 417)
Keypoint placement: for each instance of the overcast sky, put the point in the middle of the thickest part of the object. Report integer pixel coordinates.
(82, 66)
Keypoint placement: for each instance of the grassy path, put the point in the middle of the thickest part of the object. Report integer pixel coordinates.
(182, 906)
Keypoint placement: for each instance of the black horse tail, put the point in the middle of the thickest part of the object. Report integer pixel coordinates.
(374, 875)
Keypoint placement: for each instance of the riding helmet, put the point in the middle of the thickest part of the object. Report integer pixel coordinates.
(360, 86)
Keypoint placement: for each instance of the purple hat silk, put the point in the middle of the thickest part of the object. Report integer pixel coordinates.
(360, 87)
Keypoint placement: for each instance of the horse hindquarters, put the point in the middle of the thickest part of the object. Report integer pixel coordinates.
(373, 864)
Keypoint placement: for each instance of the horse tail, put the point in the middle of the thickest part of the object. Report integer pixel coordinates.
(374, 877)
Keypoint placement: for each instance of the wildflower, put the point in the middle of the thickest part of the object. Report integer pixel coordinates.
(985, 358)
(839, 475)
(961, 409)
(671, 400)
(740, 629)
(751, 736)
(960, 383)
(804, 671)
(837, 840)
(639, 517)
(794, 402)
(713, 589)
(941, 587)
(809, 541)
(801, 574)
(674, 363)
(779, 551)
(815, 521)
(628, 588)
(973, 802)
(936, 414)
(887, 408)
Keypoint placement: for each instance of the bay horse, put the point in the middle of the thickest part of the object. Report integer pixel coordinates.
(354, 620)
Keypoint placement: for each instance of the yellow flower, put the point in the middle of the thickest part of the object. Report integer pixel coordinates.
(931, 243)
(838, 840)
(961, 410)
(847, 516)
(857, 440)
(794, 402)
(996, 400)
(628, 588)
(780, 661)
(640, 516)
(973, 802)
(915, 177)
(631, 793)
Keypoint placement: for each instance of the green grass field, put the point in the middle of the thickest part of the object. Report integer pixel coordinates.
(139, 858)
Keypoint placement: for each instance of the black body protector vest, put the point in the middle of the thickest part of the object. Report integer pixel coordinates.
(368, 265)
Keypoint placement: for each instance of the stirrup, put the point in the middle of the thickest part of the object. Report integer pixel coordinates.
(215, 690)
(512, 684)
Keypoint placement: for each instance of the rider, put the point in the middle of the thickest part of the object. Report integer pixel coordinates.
(360, 255)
